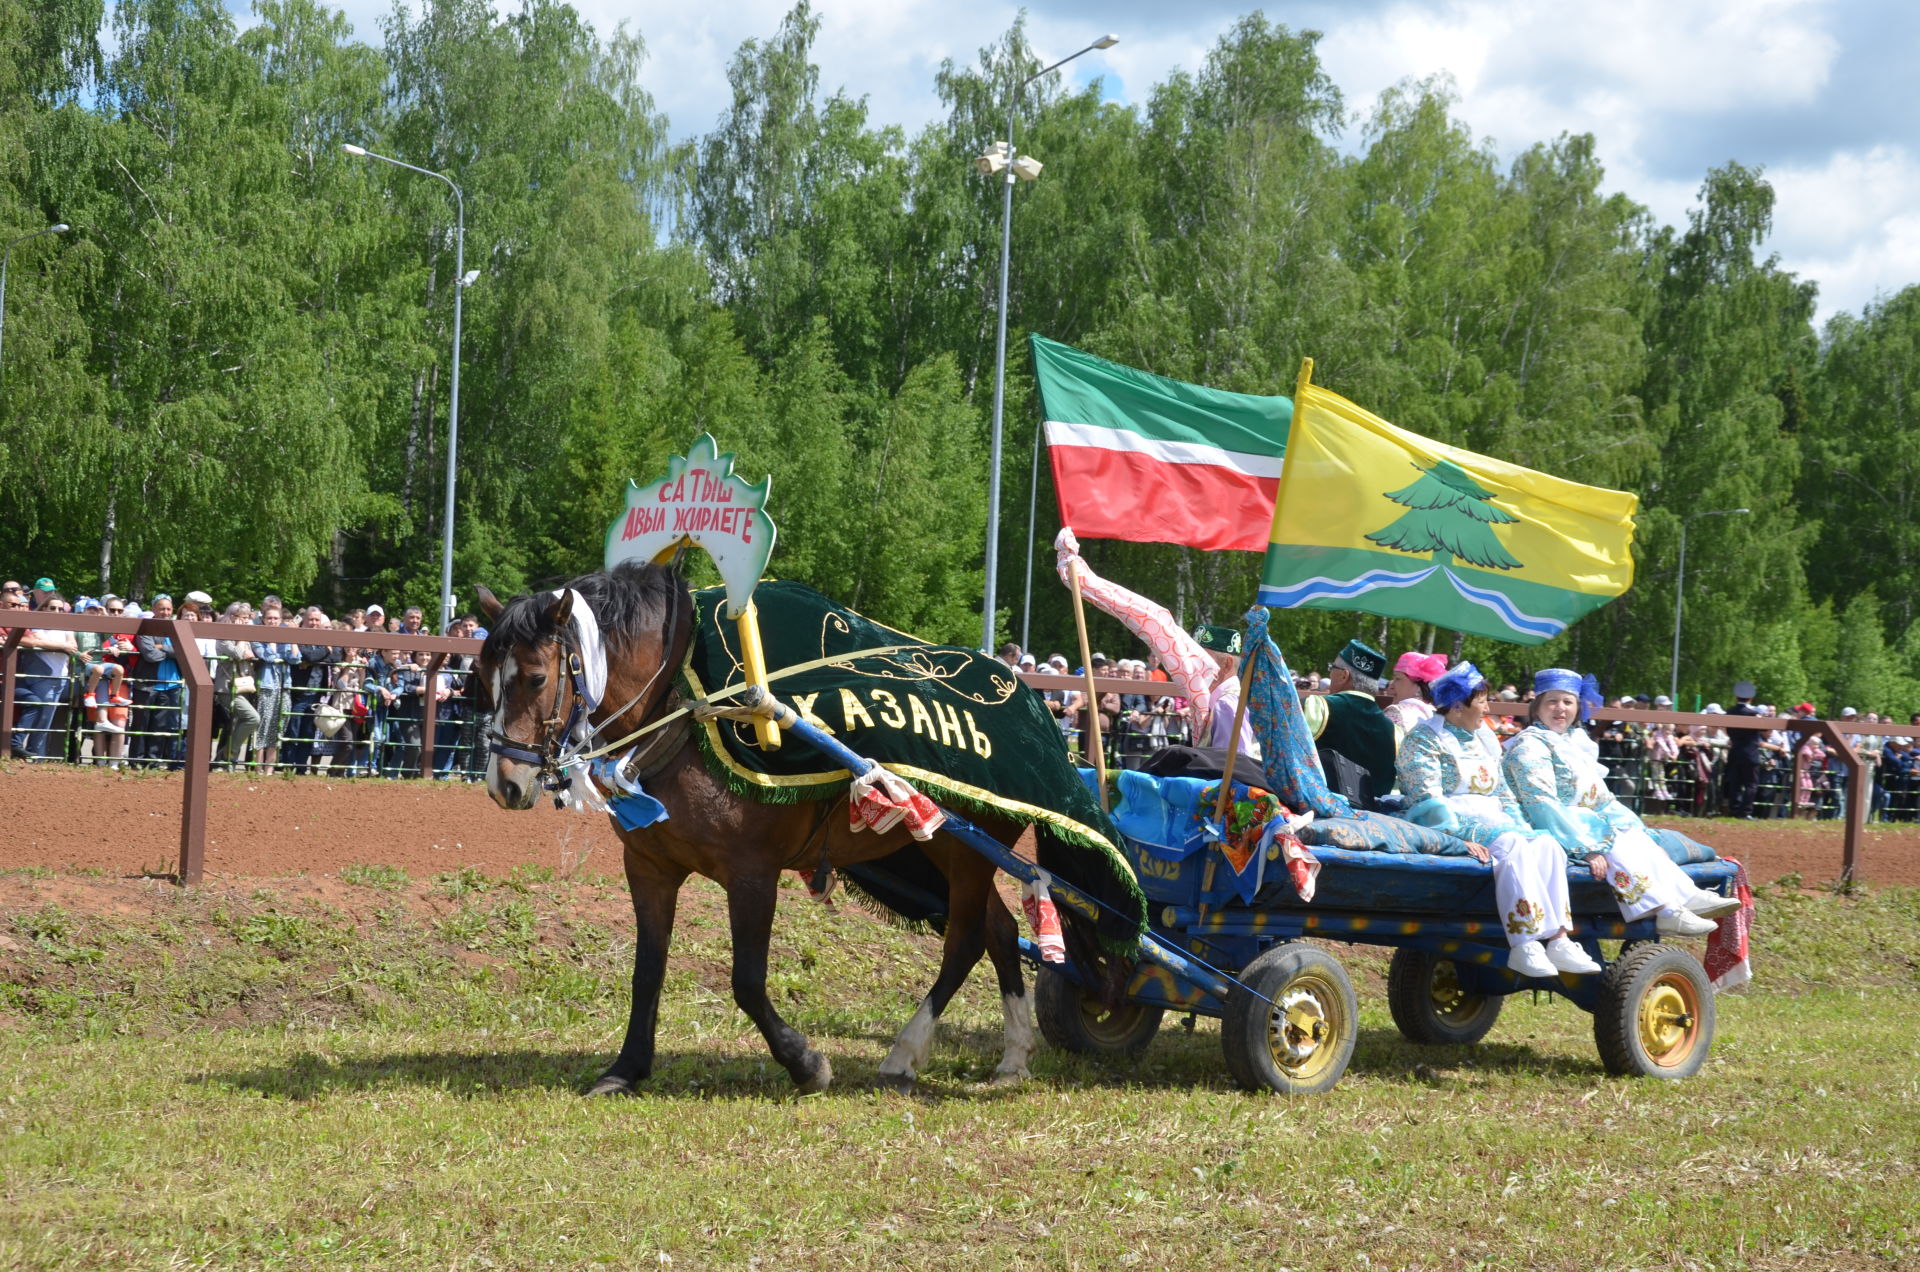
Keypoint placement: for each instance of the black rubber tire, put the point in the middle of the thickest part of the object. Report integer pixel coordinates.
(1266, 1043)
(1073, 1020)
(1655, 1016)
(1424, 995)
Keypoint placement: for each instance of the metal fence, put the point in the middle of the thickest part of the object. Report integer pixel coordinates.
(361, 718)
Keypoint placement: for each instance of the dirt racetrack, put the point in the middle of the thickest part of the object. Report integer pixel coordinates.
(74, 818)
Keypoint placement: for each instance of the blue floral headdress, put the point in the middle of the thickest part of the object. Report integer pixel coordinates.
(1562, 680)
(1458, 685)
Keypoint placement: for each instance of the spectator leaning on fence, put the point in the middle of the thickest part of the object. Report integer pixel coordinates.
(40, 676)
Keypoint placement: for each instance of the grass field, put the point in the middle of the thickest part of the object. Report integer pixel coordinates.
(371, 1071)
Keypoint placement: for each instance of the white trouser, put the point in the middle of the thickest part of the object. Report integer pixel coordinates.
(1643, 878)
(1530, 886)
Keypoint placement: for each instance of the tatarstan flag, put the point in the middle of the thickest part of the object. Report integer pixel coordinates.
(1138, 456)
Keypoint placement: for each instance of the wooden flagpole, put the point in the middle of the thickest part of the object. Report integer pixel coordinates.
(1093, 697)
(1233, 744)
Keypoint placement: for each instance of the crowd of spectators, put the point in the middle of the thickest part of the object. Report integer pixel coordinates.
(284, 705)
(1654, 769)
(279, 704)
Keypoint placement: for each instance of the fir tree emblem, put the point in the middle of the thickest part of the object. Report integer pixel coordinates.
(1449, 514)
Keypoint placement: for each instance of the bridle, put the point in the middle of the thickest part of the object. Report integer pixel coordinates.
(553, 750)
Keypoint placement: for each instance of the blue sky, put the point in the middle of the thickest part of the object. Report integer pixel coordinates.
(1819, 92)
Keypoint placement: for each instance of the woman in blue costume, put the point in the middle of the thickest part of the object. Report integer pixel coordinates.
(1555, 772)
(1450, 771)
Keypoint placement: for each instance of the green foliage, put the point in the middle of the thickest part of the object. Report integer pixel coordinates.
(235, 372)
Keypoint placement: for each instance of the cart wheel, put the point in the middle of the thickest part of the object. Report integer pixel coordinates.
(1424, 994)
(1299, 1042)
(1073, 1020)
(1655, 1015)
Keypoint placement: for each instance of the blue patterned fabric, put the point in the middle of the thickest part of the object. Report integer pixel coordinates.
(1372, 832)
(1286, 743)
(1683, 850)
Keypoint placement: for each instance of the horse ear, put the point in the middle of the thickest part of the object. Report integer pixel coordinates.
(489, 603)
(562, 608)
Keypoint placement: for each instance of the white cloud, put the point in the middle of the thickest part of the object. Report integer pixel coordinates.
(1852, 224)
(1667, 87)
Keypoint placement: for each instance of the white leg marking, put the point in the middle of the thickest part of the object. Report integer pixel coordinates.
(1018, 1010)
(913, 1046)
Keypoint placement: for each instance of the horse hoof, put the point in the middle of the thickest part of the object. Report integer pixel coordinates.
(610, 1085)
(897, 1083)
(814, 1074)
(1008, 1077)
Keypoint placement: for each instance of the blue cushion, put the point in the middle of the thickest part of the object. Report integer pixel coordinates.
(1683, 850)
(1374, 832)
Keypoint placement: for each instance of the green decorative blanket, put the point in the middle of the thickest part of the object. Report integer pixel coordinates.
(957, 724)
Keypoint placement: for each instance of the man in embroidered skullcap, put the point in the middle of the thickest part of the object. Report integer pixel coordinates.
(1450, 768)
(1224, 644)
(1554, 769)
(1348, 720)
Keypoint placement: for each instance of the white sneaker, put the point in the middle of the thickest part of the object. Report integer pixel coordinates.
(1568, 957)
(1529, 959)
(1682, 923)
(1711, 905)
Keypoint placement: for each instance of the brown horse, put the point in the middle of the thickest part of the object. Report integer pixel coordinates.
(645, 616)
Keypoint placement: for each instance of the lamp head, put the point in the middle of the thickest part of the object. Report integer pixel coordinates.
(357, 151)
(994, 161)
(1106, 41)
(61, 228)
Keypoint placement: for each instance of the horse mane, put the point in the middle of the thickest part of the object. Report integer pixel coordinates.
(630, 601)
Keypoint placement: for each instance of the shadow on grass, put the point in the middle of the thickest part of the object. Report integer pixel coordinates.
(488, 1074)
(961, 1069)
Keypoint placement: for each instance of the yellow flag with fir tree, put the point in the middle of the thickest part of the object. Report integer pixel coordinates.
(1371, 517)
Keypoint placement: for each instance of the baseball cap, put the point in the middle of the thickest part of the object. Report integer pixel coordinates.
(1845, 711)
(199, 598)
(375, 609)
(1661, 700)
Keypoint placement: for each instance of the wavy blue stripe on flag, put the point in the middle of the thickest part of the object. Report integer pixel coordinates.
(1511, 614)
(1322, 586)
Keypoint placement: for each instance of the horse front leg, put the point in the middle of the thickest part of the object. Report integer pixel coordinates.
(750, 907)
(655, 889)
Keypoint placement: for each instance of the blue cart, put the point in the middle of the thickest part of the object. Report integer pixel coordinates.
(1289, 1014)
(1222, 944)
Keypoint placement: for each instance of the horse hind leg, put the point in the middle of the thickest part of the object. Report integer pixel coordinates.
(1003, 948)
(969, 885)
(750, 907)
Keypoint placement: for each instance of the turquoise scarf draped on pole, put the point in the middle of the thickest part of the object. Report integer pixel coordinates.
(1286, 742)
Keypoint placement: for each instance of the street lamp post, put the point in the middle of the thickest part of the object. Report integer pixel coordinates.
(1679, 594)
(460, 281)
(998, 161)
(6, 259)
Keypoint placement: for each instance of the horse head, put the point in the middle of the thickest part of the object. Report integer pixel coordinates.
(522, 670)
(533, 668)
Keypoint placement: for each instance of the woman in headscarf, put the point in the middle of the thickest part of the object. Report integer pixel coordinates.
(1555, 773)
(1409, 700)
(1450, 769)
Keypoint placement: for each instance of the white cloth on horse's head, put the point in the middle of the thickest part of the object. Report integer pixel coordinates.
(593, 654)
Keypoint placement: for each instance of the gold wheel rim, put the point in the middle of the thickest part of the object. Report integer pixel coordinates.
(1669, 1020)
(1304, 1026)
(1109, 1025)
(1451, 1003)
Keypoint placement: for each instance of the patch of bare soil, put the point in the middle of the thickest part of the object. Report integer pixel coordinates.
(129, 823)
(71, 818)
